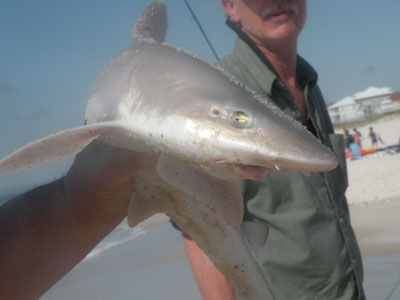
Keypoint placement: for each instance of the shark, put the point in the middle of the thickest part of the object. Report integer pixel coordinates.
(209, 130)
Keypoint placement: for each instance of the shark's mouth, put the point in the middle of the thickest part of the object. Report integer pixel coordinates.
(245, 171)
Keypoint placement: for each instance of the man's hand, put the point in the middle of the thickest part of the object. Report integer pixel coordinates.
(45, 232)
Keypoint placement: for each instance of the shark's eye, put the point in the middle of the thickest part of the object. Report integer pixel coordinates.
(240, 119)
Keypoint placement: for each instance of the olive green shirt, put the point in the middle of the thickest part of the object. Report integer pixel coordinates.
(311, 251)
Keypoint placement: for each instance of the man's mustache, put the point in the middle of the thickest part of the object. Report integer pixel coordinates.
(278, 5)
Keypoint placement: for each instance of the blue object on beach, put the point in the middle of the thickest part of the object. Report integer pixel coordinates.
(356, 152)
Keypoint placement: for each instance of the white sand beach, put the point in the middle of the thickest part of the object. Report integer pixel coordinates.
(374, 191)
(374, 200)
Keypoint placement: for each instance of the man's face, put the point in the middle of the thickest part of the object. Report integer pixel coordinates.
(268, 21)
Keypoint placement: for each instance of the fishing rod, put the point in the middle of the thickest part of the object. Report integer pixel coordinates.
(201, 29)
(394, 288)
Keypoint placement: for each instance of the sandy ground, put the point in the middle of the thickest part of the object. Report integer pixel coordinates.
(374, 197)
(374, 178)
(377, 226)
(374, 191)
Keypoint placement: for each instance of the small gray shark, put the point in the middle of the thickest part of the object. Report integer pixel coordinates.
(209, 130)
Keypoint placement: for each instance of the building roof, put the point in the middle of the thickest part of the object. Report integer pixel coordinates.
(372, 91)
(344, 102)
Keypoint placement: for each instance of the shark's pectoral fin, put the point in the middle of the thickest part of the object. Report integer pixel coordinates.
(222, 197)
(54, 147)
(142, 206)
(151, 195)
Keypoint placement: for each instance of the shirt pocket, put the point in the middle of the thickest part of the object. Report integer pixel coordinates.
(340, 173)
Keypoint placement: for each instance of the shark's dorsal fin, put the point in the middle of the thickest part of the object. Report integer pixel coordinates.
(152, 23)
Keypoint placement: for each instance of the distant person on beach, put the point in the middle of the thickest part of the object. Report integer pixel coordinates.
(348, 139)
(357, 138)
(351, 145)
(374, 139)
(397, 149)
(47, 231)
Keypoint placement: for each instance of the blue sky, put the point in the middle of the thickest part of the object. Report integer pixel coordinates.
(51, 52)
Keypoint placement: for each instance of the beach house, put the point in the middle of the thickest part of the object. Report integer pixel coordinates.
(364, 104)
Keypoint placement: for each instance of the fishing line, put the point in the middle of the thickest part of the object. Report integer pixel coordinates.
(201, 29)
(396, 284)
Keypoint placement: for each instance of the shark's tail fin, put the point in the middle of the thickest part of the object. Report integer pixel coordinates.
(152, 23)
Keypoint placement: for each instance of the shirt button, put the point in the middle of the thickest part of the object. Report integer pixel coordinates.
(341, 220)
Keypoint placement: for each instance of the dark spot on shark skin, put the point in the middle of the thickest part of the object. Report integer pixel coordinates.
(150, 134)
(162, 136)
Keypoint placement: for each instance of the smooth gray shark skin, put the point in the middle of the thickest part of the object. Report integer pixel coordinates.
(210, 131)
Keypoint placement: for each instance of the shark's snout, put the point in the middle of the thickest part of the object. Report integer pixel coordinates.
(319, 162)
(306, 156)
(288, 146)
